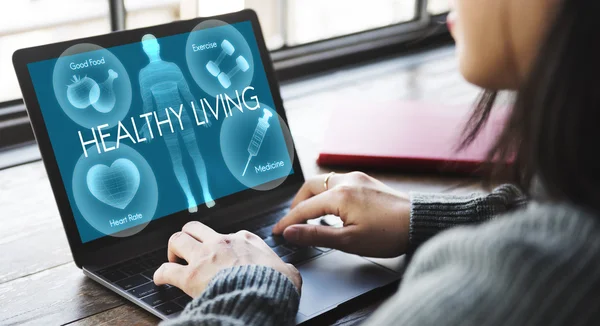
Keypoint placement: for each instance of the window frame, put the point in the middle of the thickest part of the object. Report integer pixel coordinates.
(419, 22)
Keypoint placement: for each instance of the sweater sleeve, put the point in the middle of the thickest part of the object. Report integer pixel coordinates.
(432, 213)
(243, 295)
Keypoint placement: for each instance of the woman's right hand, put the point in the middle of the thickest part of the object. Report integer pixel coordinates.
(376, 217)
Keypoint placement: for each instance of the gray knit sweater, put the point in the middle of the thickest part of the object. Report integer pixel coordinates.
(538, 264)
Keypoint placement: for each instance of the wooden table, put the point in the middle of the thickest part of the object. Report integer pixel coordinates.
(39, 283)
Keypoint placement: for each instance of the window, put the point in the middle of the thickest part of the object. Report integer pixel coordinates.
(288, 22)
(47, 21)
(340, 17)
(303, 35)
(142, 13)
(437, 7)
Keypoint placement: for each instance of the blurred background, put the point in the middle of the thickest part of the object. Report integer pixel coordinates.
(285, 23)
(305, 37)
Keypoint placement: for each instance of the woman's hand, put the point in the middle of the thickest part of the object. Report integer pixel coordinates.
(376, 218)
(207, 252)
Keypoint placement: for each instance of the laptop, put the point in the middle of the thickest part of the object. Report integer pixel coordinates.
(144, 130)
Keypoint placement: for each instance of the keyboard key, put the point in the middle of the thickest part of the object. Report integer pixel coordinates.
(133, 268)
(169, 308)
(293, 247)
(132, 282)
(155, 261)
(281, 251)
(113, 275)
(301, 255)
(146, 265)
(183, 301)
(150, 273)
(275, 240)
(146, 289)
(264, 232)
(274, 217)
(162, 296)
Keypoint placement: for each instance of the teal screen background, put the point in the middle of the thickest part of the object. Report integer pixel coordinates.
(63, 131)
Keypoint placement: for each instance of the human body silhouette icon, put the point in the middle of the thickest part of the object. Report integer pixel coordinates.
(162, 84)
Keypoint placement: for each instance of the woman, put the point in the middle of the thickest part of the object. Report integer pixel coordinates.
(502, 262)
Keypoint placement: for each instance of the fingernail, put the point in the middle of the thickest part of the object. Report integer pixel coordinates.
(291, 233)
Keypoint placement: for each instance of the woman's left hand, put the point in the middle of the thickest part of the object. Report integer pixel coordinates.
(207, 252)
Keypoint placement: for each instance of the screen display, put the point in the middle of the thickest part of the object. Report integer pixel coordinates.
(164, 125)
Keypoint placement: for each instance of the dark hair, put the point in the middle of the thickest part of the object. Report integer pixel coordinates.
(554, 126)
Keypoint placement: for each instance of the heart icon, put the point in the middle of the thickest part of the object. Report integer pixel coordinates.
(115, 185)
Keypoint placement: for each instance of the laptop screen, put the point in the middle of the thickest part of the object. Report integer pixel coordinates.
(161, 126)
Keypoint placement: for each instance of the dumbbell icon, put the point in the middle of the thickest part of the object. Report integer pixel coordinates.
(213, 66)
(240, 64)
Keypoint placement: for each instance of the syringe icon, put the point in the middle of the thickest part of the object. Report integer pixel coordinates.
(258, 136)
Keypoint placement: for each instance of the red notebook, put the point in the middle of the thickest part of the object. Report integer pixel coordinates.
(407, 136)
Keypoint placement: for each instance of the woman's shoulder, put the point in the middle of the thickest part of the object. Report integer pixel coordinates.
(535, 266)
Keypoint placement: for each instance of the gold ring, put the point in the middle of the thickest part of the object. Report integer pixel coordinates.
(327, 180)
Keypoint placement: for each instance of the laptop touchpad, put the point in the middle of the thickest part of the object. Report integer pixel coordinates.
(336, 278)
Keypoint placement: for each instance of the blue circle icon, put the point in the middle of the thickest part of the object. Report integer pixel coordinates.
(116, 192)
(257, 147)
(92, 86)
(219, 58)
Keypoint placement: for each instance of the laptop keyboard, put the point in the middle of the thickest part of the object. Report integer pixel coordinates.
(135, 276)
